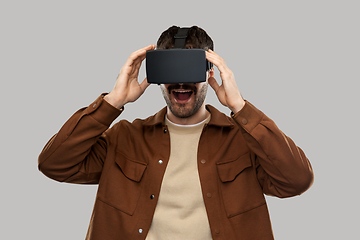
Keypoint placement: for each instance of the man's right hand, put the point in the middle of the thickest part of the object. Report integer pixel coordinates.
(127, 88)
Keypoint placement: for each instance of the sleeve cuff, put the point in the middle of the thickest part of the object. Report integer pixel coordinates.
(248, 117)
(102, 111)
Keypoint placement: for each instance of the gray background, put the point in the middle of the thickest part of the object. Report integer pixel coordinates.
(297, 61)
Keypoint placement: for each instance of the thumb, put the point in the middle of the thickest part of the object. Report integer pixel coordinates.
(144, 84)
(213, 83)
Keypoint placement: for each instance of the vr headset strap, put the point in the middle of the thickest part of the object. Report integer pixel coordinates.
(180, 37)
(180, 41)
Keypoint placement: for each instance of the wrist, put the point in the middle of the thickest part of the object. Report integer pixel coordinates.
(239, 105)
(117, 103)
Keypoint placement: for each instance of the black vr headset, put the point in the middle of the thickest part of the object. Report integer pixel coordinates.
(178, 65)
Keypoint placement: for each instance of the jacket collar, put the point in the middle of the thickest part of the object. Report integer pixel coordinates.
(156, 119)
(217, 118)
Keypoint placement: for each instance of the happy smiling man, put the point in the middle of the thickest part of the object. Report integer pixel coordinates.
(189, 171)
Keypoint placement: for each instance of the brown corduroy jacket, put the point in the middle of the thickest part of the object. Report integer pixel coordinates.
(240, 158)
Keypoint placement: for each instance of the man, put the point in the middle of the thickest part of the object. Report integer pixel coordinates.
(189, 171)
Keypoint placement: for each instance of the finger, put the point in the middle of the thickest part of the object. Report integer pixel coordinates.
(139, 54)
(219, 63)
(144, 84)
(225, 72)
(213, 83)
(212, 55)
(136, 58)
(216, 60)
(144, 49)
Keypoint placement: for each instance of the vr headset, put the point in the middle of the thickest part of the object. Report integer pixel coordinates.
(178, 65)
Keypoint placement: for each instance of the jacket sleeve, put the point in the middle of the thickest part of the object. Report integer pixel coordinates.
(281, 167)
(76, 153)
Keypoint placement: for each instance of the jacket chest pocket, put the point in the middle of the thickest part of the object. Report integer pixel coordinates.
(240, 189)
(121, 187)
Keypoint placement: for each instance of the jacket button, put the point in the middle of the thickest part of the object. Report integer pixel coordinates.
(203, 161)
(160, 161)
(209, 195)
(165, 130)
(217, 231)
(152, 196)
(244, 121)
(140, 230)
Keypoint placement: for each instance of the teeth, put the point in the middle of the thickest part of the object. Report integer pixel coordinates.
(184, 91)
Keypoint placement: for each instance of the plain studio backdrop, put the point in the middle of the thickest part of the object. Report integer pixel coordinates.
(297, 61)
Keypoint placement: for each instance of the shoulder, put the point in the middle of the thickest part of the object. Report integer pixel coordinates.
(156, 119)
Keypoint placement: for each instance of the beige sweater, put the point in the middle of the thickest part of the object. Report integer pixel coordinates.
(180, 212)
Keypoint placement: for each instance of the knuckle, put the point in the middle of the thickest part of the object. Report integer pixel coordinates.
(132, 55)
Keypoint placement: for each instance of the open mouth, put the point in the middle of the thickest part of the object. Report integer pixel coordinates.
(182, 95)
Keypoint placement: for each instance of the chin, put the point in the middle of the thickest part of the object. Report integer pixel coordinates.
(184, 108)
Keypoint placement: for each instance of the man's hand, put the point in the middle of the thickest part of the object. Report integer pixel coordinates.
(127, 88)
(228, 93)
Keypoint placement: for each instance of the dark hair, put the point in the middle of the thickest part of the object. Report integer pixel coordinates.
(197, 38)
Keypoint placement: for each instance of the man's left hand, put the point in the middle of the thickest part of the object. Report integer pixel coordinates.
(228, 92)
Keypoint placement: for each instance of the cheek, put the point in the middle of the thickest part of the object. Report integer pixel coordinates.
(202, 86)
(202, 91)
